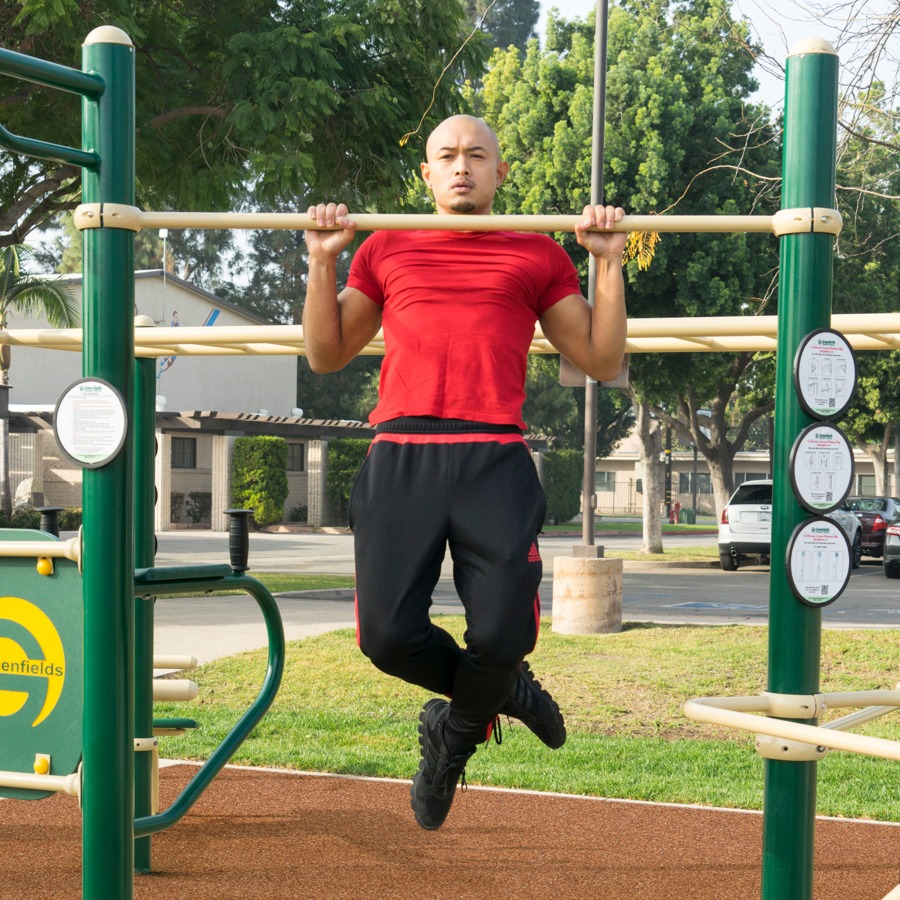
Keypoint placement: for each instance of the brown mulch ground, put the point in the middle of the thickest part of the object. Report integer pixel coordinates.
(257, 833)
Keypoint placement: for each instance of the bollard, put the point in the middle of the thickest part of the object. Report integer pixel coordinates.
(587, 595)
(239, 538)
(50, 519)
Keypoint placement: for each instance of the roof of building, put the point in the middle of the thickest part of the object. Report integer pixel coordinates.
(172, 278)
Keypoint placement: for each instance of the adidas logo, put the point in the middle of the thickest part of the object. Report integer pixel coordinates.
(533, 555)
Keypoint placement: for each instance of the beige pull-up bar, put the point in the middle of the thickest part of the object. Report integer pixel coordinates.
(786, 221)
(706, 334)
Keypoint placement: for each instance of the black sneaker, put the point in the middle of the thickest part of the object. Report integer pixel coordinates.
(435, 783)
(534, 706)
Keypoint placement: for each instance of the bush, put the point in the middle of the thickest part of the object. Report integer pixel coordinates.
(29, 517)
(259, 478)
(300, 514)
(24, 517)
(345, 456)
(199, 506)
(562, 484)
(176, 505)
(70, 519)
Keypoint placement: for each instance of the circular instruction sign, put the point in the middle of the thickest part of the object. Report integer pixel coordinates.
(818, 561)
(90, 422)
(825, 374)
(821, 467)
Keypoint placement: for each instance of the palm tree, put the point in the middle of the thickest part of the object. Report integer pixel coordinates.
(34, 296)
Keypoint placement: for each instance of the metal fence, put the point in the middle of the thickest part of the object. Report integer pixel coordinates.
(625, 498)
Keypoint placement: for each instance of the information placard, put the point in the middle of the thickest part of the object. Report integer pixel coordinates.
(821, 467)
(825, 374)
(818, 561)
(90, 422)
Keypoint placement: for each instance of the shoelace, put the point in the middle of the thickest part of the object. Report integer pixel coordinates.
(495, 730)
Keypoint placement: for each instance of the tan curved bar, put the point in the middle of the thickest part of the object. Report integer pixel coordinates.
(738, 713)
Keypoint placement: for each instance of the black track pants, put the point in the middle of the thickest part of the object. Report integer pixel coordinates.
(479, 495)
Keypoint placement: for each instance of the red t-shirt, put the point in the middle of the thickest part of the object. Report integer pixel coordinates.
(458, 313)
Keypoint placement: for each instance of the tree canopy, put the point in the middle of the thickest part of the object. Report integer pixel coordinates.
(681, 136)
(506, 22)
(298, 100)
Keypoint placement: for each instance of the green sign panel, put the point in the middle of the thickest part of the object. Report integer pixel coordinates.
(41, 693)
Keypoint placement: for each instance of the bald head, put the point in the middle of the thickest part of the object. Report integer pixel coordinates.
(447, 134)
(463, 168)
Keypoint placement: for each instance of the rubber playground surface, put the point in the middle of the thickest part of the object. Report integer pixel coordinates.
(263, 833)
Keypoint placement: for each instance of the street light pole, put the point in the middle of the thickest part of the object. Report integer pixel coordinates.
(589, 490)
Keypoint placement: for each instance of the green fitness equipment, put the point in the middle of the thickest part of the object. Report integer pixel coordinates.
(114, 709)
(41, 694)
(804, 304)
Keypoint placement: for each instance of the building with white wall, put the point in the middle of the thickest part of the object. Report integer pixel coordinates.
(203, 403)
(227, 384)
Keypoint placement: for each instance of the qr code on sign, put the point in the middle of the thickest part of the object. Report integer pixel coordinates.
(824, 589)
(832, 402)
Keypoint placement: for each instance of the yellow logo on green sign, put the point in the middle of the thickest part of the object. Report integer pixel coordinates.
(14, 660)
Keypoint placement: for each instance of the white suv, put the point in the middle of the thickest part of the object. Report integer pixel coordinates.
(745, 528)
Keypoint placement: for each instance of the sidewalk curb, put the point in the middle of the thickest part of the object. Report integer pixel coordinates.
(642, 565)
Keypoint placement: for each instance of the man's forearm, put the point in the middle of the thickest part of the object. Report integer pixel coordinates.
(322, 334)
(609, 322)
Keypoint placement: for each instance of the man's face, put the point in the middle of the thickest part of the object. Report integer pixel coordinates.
(463, 168)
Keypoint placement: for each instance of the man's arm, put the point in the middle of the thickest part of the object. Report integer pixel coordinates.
(594, 338)
(336, 327)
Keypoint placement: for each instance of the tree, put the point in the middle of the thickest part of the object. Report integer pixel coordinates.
(867, 266)
(562, 485)
(28, 295)
(727, 419)
(506, 22)
(558, 412)
(680, 136)
(265, 104)
(348, 394)
(295, 99)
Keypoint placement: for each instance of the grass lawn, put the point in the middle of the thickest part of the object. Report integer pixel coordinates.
(622, 695)
(635, 526)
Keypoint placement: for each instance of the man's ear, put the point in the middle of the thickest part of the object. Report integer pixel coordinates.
(502, 172)
(426, 173)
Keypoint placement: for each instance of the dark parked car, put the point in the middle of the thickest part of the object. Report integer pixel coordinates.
(874, 514)
(892, 550)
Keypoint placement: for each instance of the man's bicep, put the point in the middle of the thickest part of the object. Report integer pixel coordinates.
(567, 325)
(360, 318)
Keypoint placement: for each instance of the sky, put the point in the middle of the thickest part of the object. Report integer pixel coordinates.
(777, 24)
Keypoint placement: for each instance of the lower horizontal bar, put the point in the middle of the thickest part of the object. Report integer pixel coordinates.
(70, 549)
(690, 334)
(64, 784)
(734, 712)
(175, 690)
(175, 662)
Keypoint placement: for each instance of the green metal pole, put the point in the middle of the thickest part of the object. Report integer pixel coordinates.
(804, 304)
(108, 559)
(144, 446)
